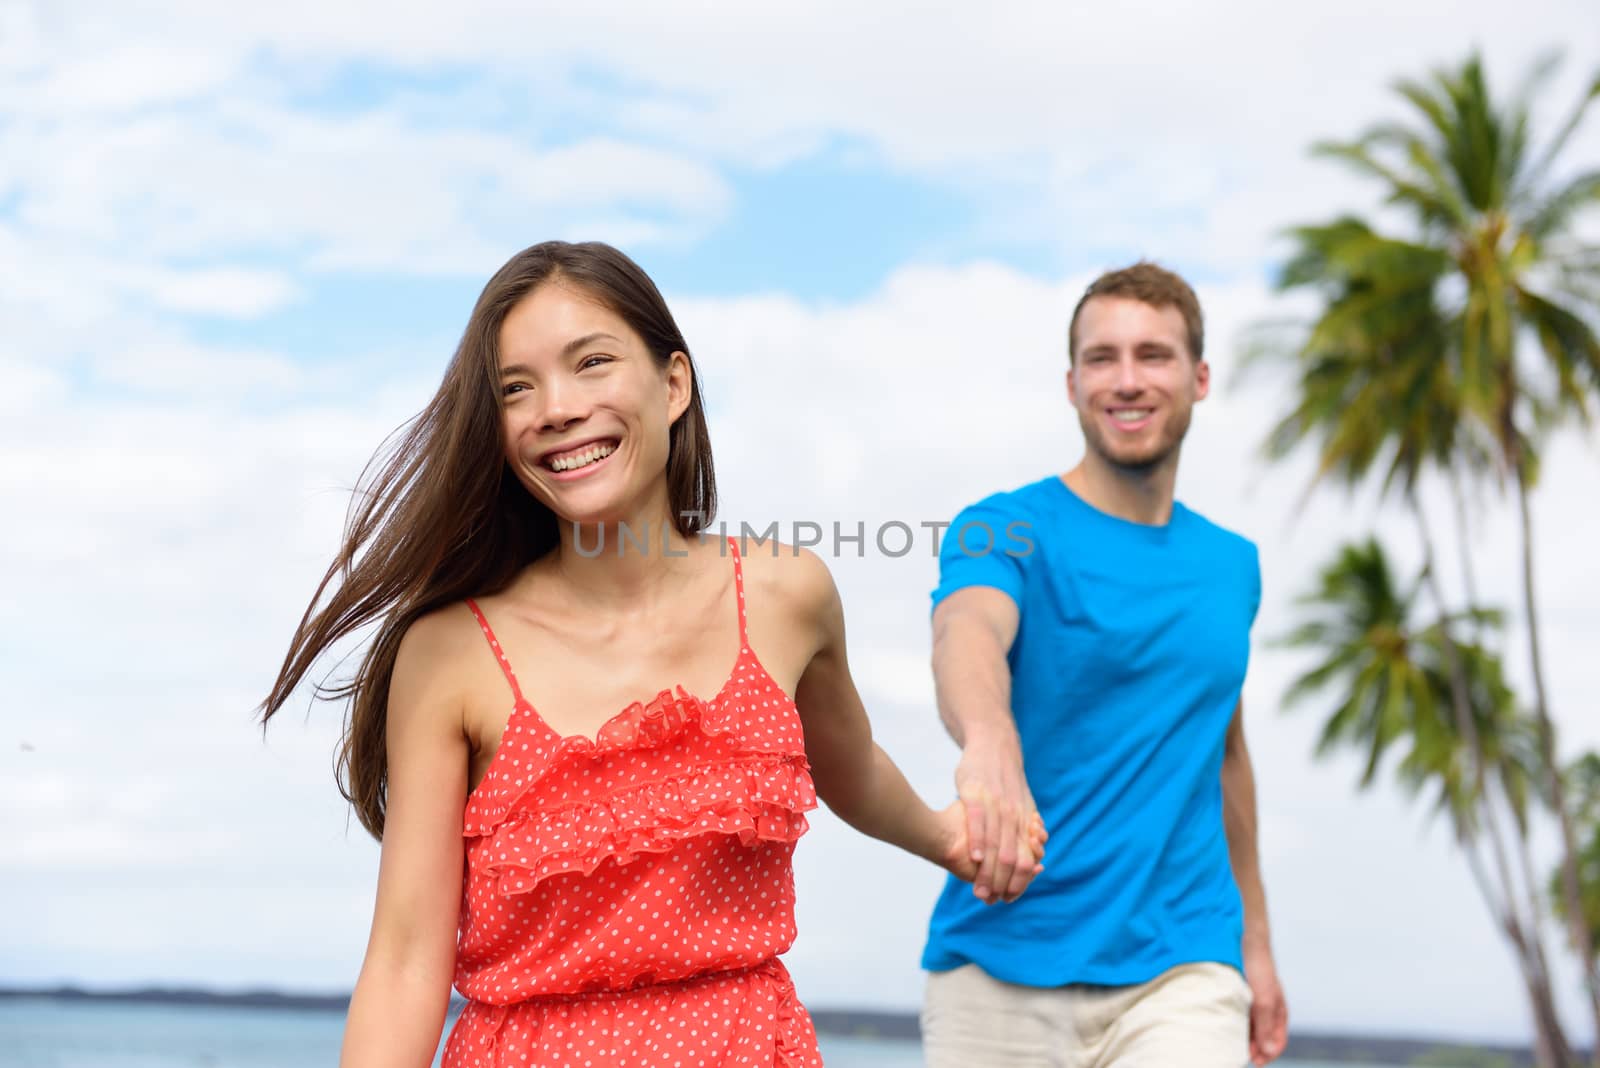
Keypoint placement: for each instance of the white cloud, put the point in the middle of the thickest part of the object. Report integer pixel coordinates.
(24, 387)
(228, 291)
(366, 191)
(123, 80)
(1104, 126)
(1163, 93)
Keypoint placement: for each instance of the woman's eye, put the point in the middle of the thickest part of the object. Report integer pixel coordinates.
(512, 387)
(593, 361)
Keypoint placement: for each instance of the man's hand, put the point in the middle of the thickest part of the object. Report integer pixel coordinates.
(955, 855)
(1001, 819)
(1269, 1012)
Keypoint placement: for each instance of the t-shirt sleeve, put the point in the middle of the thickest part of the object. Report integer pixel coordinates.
(987, 544)
(1253, 564)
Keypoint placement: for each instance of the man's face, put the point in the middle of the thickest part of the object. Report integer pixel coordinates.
(1134, 382)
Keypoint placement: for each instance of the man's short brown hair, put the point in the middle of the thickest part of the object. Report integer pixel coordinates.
(1149, 284)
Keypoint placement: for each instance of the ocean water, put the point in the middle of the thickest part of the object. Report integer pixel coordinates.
(40, 1033)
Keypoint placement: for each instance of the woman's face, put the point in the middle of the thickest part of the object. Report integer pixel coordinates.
(587, 409)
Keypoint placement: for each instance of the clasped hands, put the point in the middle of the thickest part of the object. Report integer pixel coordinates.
(995, 836)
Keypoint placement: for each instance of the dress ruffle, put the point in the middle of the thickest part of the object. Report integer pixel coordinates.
(757, 790)
(757, 801)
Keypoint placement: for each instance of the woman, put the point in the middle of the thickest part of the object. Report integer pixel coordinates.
(534, 545)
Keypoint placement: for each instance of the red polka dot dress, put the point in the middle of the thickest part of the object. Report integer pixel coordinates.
(627, 896)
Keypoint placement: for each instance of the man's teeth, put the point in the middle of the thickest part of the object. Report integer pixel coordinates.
(1130, 415)
(584, 458)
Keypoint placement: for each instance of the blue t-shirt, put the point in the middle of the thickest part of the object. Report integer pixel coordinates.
(1125, 673)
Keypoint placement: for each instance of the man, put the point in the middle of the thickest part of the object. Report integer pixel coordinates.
(1090, 643)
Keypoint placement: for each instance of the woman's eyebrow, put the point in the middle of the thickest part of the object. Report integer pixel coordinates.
(566, 350)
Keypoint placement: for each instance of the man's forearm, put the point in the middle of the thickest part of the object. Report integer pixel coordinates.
(973, 684)
(1239, 821)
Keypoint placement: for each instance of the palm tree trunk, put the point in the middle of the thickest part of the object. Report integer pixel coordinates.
(1550, 1045)
(1461, 707)
(1535, 959)
(1458, 499)
(1577, 922)
(1549, 1039)
(1525, 933)
(1536, 950)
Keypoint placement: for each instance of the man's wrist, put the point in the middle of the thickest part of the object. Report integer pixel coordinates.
(993, 737)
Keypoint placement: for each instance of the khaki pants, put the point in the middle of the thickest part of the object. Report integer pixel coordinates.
(1194, 1016)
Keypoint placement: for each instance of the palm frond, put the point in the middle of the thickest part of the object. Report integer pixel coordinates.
(1535, 175)
(1571, 349)
(1557, 210)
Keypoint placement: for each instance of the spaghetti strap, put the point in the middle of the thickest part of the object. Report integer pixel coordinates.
(738, 586)
(500, 654)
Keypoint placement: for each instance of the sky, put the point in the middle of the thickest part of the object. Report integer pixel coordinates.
(239, 243)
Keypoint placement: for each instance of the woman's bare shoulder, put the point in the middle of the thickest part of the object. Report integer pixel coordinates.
(791, 577)
(438, 652)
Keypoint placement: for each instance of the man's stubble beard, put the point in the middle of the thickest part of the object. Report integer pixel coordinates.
(1171, 441)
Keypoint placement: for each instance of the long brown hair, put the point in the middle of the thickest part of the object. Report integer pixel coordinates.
(438, 516)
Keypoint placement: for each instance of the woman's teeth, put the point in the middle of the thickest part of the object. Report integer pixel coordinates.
(582, 459)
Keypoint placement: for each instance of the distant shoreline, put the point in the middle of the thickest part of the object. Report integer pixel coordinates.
(896, 1026)
(161, 995)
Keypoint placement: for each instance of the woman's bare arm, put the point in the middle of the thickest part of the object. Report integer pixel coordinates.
(854, 776)
(397, 1012)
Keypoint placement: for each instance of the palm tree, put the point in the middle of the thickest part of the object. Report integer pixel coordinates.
(1394, 375)
(1375, 390)
(1396, 683)
(1375, 395)
(1524, 350)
